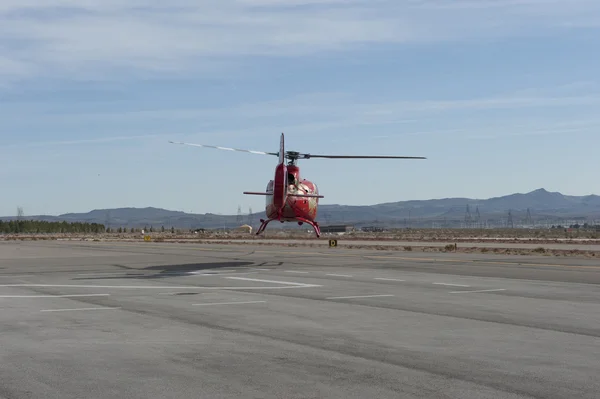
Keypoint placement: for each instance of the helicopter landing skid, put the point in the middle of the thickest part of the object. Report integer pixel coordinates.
(315, 225)
(263, 225)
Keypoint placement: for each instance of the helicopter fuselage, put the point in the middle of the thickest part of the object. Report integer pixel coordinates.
(284, 204)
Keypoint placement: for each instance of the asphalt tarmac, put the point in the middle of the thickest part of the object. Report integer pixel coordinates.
(590, 245)
(150, 320)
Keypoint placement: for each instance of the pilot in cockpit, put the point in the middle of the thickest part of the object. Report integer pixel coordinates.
(291, 179)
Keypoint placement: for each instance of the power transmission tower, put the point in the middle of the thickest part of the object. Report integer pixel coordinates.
(478, 217)
(468, 217)
(20, 213)
(510, 223)
(529, 219)
(239, 215)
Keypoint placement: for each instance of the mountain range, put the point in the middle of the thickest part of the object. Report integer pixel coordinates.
(536, 207)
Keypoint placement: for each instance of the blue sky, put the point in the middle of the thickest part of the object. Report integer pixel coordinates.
(502, 96)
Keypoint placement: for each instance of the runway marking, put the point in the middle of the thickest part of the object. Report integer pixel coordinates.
(212, 273)
(262, 270)
(52, 296)
(339, 275)
(147, 273)
(452, 285)
(387, 279)
(218, 274)
(226, 303)
(294, 271)
(191, 287)
(468, 292)
(188, 293)
(359, 296)
(77, 309)
(270, 281)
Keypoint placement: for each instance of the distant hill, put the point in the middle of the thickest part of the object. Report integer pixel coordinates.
(539, 206)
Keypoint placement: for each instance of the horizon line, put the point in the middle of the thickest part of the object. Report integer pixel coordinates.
(320, 205)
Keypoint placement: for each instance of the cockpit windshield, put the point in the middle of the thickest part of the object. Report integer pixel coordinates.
(291, 179)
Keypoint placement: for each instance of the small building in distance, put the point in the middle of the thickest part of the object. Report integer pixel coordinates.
(372, 229)
(341, 228)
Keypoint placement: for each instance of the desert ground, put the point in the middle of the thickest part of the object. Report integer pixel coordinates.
(547, 242)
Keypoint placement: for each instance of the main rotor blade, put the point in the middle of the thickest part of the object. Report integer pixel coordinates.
(226, 148)
(308, 156)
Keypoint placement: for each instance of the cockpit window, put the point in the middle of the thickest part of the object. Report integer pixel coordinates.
(291, 179)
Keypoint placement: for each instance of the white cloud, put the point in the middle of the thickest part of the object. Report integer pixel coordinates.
(337, 105)
(334, 113)
(313, 112)
(93, 38)
(531, 130)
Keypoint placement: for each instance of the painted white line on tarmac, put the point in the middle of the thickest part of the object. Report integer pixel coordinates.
(158, 287)
(184, 293)
(358, 296)
(388, 279)
(452, 285)
(209, 273)
(294, 271)
(147, 273)
(270, 281)
(226, 303)
(468, 292)
(339, 275)
(53, 296)
(77, 309)
(194, 274)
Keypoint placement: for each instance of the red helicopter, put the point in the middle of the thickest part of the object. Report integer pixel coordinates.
(290, 198)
